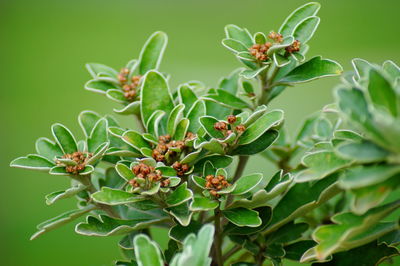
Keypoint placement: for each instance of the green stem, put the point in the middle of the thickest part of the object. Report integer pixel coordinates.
(218, 237)
(243, 159)
(231, 252)
(267, 85)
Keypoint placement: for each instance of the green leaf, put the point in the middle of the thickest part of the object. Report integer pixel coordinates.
(131, 108)
(187, 97)
(260, 38)
(135, 139)
(180, 195)
(64, 194)
(323, 128)
(265, 214)
(392, 70)
(362, 152)
(96, 69)
(257, 146)
(260, 111)
(369, 254)
(312, 69)
(152, 52)
(64, 138)
(219, 161)
(260, 126)
(154, 125)
(361, 67)
(319, 165)
(147, 251)
(300, 199)
(107, 226)
(32, 161)
(280, 60)
(99, 86)
(196, 249)
(179, 232)
(242, 217)
(381, 92)
(245, 56)
(347, 231)
(234, 45)
(48, 149)
(196, 111)
(213, 146)
(87, 120)
(246, 184)
(155, 95)
(239, 34)
(58, 170)
(250, 74)
(124, 171)
(199, 181)
(227, 99)
(174, 117)
(296, 250)
(60, 220)
(207, 122)
(98, 135)
(116, 95)
(98, 153)
(306, 29)
(203, 204)
(307, 10)
(247, 87)
(362, 176)
(287, 233)
(113, 197)
(365, 198)
(182, 129)
(181, 213)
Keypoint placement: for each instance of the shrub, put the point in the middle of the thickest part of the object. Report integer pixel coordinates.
(332, 201)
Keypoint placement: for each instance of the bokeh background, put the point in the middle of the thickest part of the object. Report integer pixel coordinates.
(44, 45)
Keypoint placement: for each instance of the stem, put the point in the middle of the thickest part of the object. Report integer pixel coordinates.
(260, 259)
(267, 85)
(231, 252)
(218, 237)
(243, 159)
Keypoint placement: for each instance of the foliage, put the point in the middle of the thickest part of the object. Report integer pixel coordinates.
(333, 196)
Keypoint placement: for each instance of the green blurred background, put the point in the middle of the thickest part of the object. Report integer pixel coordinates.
(44, 45)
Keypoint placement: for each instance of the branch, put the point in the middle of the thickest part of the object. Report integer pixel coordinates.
(218, 237)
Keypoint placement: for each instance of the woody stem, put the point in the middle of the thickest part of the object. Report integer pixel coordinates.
(218, 237)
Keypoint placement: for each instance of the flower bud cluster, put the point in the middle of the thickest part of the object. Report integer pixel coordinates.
(163, 147)
(181, 168)
(129, 87)
(216, 183)
(80, 158)
(294, 47)
(228, 128)
(259, 51)
(146, 176)
(164, 152)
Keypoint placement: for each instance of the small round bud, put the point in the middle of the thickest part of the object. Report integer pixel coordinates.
(220, 126)
(124, 71)
(231, 119)
(240, 128)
